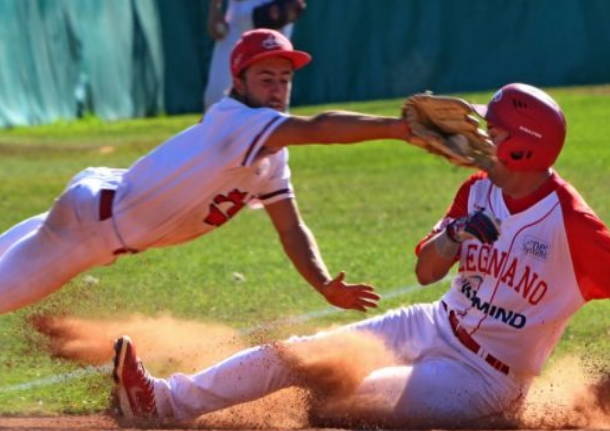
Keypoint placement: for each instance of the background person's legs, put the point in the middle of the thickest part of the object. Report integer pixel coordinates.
(219, 76)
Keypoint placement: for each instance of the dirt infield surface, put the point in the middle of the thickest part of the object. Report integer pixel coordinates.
(564, 398)
(93, 422)
(69, 423)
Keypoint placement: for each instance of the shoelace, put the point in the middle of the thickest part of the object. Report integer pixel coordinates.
(145, 399)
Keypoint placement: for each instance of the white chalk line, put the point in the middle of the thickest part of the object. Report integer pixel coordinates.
(107, 368)
(60, 378)
(321, 313)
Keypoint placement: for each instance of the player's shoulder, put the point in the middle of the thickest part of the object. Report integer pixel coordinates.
(237, 118)
(478, 178)
(227, 106)
(589, 242)
(475, 183)
(570, 199)
(576, 211)
(231, 107)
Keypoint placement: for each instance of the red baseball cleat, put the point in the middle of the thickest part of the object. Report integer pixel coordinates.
(134, 385)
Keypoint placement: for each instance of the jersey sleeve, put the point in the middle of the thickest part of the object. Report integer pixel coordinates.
(235, 133)
(269, 120)
(278, 186)
(457, 209)
(589, 242)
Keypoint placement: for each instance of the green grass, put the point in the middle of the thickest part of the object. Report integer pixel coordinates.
(367, 205)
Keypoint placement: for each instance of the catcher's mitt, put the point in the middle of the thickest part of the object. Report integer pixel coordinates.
(446, 126)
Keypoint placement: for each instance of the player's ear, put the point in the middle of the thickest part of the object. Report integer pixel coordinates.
(239, 84)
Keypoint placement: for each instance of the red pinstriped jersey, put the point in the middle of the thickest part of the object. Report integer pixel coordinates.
(515, 297)
(199, 179)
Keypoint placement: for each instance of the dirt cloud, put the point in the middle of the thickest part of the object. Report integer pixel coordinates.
(568, 395)
(571, 394)
(164, 343)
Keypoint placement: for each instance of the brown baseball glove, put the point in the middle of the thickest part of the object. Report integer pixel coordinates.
(447, 126)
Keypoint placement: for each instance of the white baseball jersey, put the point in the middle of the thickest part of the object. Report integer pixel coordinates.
(186, 187)
(515, 297)
(199, 179)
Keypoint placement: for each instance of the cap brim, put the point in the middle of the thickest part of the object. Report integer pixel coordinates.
(297, 58)
(480, 109)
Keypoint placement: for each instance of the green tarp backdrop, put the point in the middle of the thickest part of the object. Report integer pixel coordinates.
(62, 59)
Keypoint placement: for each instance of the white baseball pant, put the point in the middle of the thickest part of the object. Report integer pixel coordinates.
(440, 381)
(42, 253)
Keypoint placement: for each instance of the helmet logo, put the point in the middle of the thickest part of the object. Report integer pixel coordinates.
(530, 132)
(270, 43)
(498, 96)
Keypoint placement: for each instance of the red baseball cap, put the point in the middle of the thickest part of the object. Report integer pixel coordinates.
(255, 45)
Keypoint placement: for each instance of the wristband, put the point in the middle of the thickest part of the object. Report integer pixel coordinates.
(450, 230)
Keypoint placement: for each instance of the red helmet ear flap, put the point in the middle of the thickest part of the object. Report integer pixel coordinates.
(517, 154)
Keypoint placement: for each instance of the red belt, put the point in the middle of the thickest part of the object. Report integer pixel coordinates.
(471, 344)
(106, 202)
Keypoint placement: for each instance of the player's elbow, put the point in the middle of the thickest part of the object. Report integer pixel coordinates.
(423, 278)
(303, 130)
(322, 127)
(426, 274)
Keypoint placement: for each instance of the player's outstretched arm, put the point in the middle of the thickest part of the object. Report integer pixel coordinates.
(336, 127)
(438, 254)
(301, 248)
(435, 258)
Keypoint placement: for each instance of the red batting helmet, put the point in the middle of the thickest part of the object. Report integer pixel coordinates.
(255, 45)
(535, 123)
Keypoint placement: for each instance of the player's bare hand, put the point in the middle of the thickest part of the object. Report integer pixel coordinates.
(349, 296)
(295, 9)
(217, 27)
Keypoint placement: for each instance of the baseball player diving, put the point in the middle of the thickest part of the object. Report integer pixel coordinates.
(529, 253)
(194, 183)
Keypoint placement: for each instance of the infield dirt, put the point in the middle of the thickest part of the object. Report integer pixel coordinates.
(569, 395)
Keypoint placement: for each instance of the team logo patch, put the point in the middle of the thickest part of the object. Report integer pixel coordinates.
(535, 247)
(270, 43)
(225, 206)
